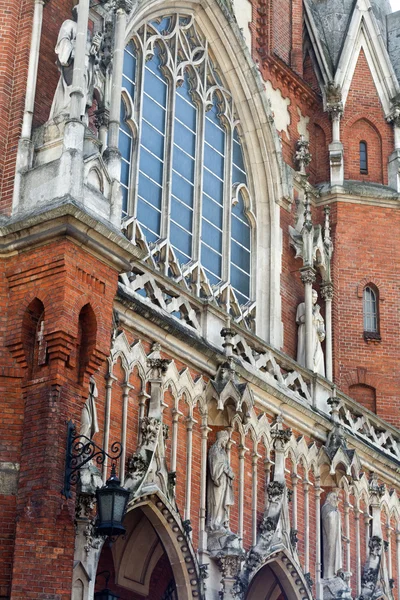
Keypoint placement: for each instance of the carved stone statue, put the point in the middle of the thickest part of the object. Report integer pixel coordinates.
(219, 489)
(317, 337)
(65, 50)
(89, 424)
(331, 536)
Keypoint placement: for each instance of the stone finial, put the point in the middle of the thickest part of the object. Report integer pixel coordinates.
(302, 155)
(334, 104)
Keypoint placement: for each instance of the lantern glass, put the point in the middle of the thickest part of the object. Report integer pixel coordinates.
(111, 506)
(105, 595)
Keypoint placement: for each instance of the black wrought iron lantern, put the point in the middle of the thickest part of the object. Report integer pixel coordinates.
(111, 506)
(106, 594)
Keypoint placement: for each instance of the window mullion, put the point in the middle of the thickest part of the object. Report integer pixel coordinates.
(198, 192)
(133, 192)
(226, 235)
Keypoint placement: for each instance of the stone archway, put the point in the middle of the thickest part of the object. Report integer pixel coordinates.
(155, 559)
(279, 578)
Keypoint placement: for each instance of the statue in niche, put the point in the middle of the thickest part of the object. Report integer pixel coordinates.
(65, 50)
(318, 335)
(220, 487)
(331, 536)
(89, 475)
(89, 424)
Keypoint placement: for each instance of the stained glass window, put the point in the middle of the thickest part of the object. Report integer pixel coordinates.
(182, 156)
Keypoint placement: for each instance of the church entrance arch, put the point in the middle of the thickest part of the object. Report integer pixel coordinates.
(278, 579)
(154, 560)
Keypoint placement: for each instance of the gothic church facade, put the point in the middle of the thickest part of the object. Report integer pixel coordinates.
(199, 216)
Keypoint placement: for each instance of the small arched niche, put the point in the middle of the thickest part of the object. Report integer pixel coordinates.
(33, 336)
(87, 331)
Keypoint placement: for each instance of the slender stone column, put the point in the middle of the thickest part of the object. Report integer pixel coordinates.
(143, 396)
(308, 278)
(174, 442)
(347, 531)
(357, 513)
(318, 562)
(398, 561)
(203, 483)
(78, 78)
(327, 294)
(242, 452)
(107, 416)
(189, 448)
(254, 460)
(125, 400)
(295, 479)
(306, 488)
(112, 154)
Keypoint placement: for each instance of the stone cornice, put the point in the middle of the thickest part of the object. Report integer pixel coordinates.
(358, 193)
(290, 79)
(69, 220)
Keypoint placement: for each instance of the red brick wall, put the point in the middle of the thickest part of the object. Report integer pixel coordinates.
(15, 34)
(364, 119)
(282, 29)
(362, 251)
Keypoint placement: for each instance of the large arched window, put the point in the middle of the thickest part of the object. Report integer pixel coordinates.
(183, 171)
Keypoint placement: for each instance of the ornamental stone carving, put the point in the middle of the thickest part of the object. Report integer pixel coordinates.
(318, 335)
(220, 496)
(334, 585)
(331, 536)
(65, 50)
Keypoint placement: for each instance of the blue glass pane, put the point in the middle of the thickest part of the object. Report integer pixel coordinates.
(213, 186)
(183, 164)
(181, 214)
(155, 88)
(185, 113)
(124, 191)
(153, 140)
(215, 137)
(150, 191)
(184, 138)
(181, 257)
(240, 281)
(212, 211)
(238, 176)
(182, 189)
(214, 161)
(151, 166)
(125, 168)
(211, 235)
(150, 236)
(129, 68)
(129, 86)
(240, 257)
(241, 232)
(238, 155)
(149, 216)
(211, 260)
(153, 113)
(181, 239)
(213, 279)
(162, 25)
(125, 146)
(154, 63)
(212, 114)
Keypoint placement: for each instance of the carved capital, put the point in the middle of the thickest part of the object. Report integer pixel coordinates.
(230, 564)
(307, 275)
(327, 291)
(275, 490)
(101, 118)
(158, 366)
(334, 104)
(376, 489)
(394, 116)
(281, 437)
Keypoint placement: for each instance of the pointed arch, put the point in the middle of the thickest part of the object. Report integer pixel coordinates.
(267, 182)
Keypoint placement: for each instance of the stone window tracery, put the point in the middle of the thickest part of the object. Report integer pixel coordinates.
(183, 173)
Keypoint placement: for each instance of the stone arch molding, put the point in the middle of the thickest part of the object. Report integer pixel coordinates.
(176, 542)
(268, 182)
(289, 574)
